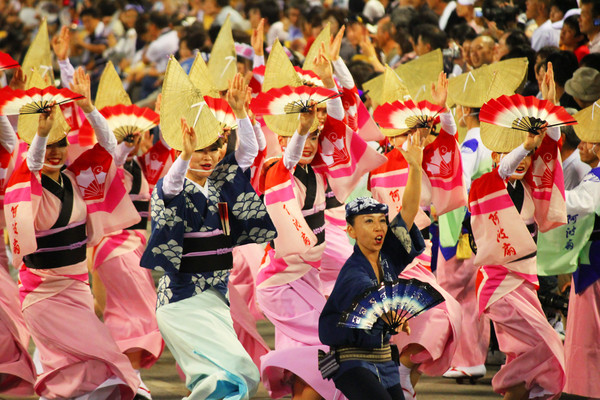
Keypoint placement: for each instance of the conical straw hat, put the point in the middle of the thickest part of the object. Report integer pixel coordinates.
(279, 72)
(588, 123)
(181, 99)
(39, 54)
(501, 139)
(28, 123)
(323, 37)
(222, 64)
(202, 79)
(419, 73)
(474, 88)
(110, 89)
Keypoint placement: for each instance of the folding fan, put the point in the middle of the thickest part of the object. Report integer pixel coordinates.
(308, 77)
(406, 114)
(33, 100)
(389, 303)
(524, 113)
(289, 100)
(222, 111)
(125, 121)
(7, 62)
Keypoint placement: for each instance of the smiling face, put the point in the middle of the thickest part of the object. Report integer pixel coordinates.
(369, 231)
(521, 169)
(203, 162)
(55, 158)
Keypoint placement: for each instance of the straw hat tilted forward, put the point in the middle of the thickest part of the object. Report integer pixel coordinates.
(323, 37)
(28, 123)
(110, 89)
(180, 98)
(222, 64)
(588, 123)
(202, 79)
(39, 56)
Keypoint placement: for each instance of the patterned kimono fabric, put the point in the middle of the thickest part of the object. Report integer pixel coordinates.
(190, 243)
(129, 313)
(507, 278)
(17, 372)
(51, 225)
(442, 187)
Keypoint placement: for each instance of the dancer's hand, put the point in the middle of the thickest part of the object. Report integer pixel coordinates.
(258, 38)
(439, 92)
(81, 85)
(46, 121)
(190, 140)
(307, 119)
(61, 43)
(236, 96)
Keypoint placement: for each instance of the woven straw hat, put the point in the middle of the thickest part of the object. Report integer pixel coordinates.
(181, 99)
(28, 123)
(474, 88)
(588, 123)
(279, 72)
(39, 55)
(501, 139)
(323, 37)
(222, 65)
(110, 89)
(202, 79)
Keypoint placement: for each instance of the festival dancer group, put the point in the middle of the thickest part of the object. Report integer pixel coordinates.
(235, 236)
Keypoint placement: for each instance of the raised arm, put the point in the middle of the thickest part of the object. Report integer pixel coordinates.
(322, 67)
(105, 136)
(8, 138)
(248, 147)
(412, 194)
(510, 162)
(60, 45)
(173, 180)
(295, 147)
(37, 149)
(439, 94)
(339, 66)
(257, 41)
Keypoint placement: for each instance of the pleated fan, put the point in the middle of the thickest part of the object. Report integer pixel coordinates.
(526, 114)
(289, 100)
(407, 114)
(33, 100)
(389, 303)
(127, 121)
(309, 77)
(7, 62)
(222, 111)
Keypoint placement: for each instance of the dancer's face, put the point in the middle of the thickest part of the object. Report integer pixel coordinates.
(56, 156)
(203, 162)
(369, 231)
(521, 169)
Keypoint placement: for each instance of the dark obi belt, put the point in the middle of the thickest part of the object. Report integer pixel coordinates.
(59, 247)
(206, 252)
(316, 223)
(142, 207)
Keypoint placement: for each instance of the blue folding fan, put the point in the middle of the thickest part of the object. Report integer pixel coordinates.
(389, 303)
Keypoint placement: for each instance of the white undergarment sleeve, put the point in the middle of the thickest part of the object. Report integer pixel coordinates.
(293, 151)
(343, 73)
(173, 180)
(248, 147)
(448, 123)
(66, 72)
(511, 161)
(104, 134)
(37, 153)
(8, 138)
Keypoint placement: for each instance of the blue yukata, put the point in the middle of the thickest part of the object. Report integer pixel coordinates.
(400, 247)
(189, 243)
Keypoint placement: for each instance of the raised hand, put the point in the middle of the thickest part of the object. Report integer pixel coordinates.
(336, 44)
(257, 39)
(18, 80)
(533, 141)
(236, 96)
(247, 105)
(548, 85)
(189, 139)
(322, 67)
(81, 86)
(414, 150)
(46, 121)
(307, 119)
(61, 43)
(439, 92)
(368, 50)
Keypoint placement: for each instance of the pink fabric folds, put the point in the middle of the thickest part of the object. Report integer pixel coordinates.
(534, 352)
(156, 162)
(337, 250)
(458, 277)
(437, 329)
(6, 168)
(358, 117)
(246, 263)
(582, 347)
(15, 363)
(72, 366)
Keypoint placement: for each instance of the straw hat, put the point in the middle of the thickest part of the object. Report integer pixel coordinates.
(202, 79)
(279, 72)
(474, 88)
(323, 37)
(222, 64)
(28, 123)
(110, 89)
(180, 98)
(588, 123)
(501, 139)
(387, 90)
(39, 55)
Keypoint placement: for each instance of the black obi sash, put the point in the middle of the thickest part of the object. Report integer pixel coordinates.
(206, 253)
(142, 206)
(517, 195)
(315, 221)
(61, 246)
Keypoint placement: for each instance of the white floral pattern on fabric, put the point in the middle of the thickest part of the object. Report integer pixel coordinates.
(248, 206)
(164, 294)
(218, 277)
(223, 173)
(171, 250)
(365, 205)
(403, 236)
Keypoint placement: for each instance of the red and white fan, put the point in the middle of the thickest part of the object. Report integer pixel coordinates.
(290, 100)
(309, 77)
(7, 62)
(407, 114)
(524, 113)
(222, 111)
(34, 100)
(127, 121)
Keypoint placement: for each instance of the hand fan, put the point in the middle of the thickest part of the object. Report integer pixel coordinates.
(33, 100)
(389, 303)
(309, 77)
(289, 100)
(7, 62)
(407, 114)
(222, 111)
(126, 121)
(524, 113)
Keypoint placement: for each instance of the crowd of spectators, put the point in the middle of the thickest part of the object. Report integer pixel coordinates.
(137, 36)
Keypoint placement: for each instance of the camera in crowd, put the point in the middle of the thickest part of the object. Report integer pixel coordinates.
(502, 15)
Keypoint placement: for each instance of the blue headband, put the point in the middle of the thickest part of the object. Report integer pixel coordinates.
(365, 205)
